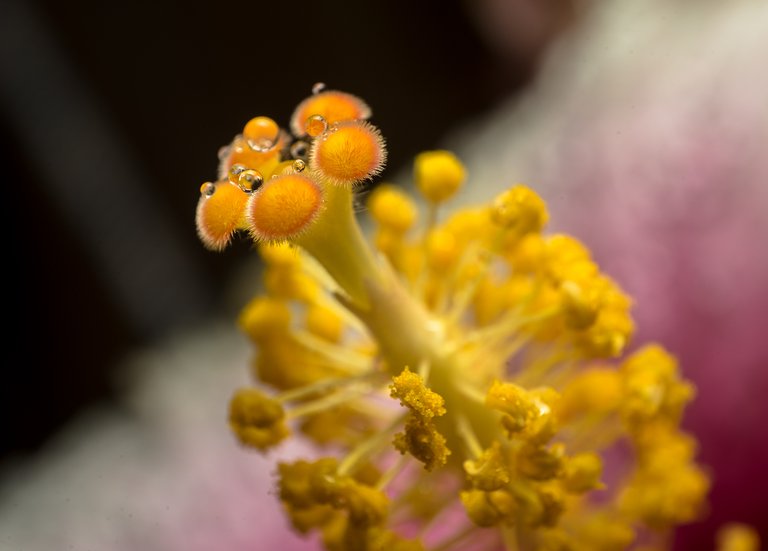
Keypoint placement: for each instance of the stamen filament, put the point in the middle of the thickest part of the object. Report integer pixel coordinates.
(509, 535)
(456, 538)
(327, 402)
(468, 436)
(391, 473)
(369, 446)
(338, 356)
(321, 386)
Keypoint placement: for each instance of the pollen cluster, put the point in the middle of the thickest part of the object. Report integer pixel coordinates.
(463, 373)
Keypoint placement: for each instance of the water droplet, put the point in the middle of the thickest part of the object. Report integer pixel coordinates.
(208, 189)
(317, 88)
(299, 165)
(250, 180)
(261, 134)
(315, 125)
(330, 130)
(299, 150)
(235, 171)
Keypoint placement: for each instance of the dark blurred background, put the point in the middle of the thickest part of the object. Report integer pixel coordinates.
(111, 115)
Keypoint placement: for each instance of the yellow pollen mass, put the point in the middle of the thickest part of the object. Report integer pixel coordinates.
(409, 388)
(737, 537)
(519, 209)
(422, 441)
(256, 419)
(392, 208)
(438, 175)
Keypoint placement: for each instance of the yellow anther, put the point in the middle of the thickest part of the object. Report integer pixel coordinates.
(540, 505)
(324, 323)
(605, 532)
(528, 255)
(653, 386)
(539, 462)
(490, 471)
(582, 473)
(567, 257)
(352, 153)
(392, 208)
(256, 419)
(304, 484)
(515, 402)
(439, 175)
(580, 304)
(544, 424)
(296, 480)
(519, 209)
(479, 508)
(443, 250)
(409, 388)
(737, 537)
(594, 391)
(264, 317)
(422, 440)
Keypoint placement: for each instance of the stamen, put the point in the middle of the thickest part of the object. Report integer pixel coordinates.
(391, 473)
(509, 535)
(468, 435)
(321, 386)
(336, 355)
(456, 538)
(369, 446)
(327, 402)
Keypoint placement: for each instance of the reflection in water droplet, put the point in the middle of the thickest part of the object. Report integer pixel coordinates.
(262, 145)
(315, 125)
(234, 173)
(208, 189)
(250, 180)
(299, 165)
(299, 150)
(317, 88)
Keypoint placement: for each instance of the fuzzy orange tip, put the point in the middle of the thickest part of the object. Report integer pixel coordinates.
(284, 207)
(332, 106)
(220, 213)
(350, 153)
